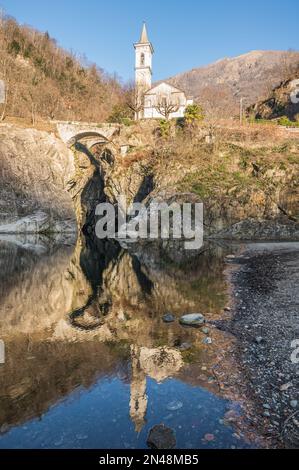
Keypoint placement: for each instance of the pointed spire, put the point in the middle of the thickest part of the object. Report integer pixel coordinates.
(144, 37)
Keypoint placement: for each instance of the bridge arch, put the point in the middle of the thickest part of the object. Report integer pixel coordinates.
(92, 137)
(90, 134)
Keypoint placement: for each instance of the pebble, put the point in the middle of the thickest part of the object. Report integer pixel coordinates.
(205, 330)
(174, 405)
(168, 417)
(185, 346)
(168, 318)
(209, 437)
(285, 387)
(231, 416)
(259, 339)
(81, 437)
(294, 403)
(59, 442)
(207, 340)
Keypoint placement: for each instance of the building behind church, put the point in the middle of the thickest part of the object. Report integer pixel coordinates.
(159, 101)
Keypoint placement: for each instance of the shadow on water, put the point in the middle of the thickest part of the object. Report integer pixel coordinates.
(90, 362)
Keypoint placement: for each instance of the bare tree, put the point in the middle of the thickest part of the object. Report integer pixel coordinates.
(4, 69)
(135, 101)
(5, 102)
(165, 106)
(289, 63)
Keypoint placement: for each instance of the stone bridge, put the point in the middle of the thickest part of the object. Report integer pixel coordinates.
(90, 133)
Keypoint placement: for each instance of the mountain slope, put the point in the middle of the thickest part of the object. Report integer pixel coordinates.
(219, 86)
(46, 82)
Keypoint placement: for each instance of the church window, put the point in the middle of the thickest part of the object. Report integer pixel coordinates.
(142, 59)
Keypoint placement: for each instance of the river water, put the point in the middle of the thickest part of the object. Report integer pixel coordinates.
(89, 362)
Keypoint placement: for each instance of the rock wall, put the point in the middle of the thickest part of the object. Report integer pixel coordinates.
(35, 168)
(279, 102)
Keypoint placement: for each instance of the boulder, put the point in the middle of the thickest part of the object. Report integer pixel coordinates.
(161, 437)
(192, 319)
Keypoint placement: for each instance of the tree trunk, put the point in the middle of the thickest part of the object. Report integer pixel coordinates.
(3, 114)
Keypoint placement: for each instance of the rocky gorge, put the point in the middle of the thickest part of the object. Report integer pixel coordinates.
(249, 189)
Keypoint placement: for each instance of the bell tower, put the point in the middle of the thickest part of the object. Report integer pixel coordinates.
(143, 64)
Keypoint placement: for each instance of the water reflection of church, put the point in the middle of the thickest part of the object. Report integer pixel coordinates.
(159, 364)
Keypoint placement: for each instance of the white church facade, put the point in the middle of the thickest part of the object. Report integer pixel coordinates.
(161, 101)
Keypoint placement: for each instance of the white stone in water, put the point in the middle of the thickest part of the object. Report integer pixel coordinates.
(174, 405)
(192, 319)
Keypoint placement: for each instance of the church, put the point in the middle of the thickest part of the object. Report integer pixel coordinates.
(161, 101)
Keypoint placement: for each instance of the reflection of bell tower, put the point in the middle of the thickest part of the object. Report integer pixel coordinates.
(143, 65)
(138, 401)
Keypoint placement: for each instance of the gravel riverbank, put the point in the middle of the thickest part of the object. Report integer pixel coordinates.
(265, 320)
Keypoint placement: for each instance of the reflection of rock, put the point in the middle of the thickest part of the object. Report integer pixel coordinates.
(35, 290)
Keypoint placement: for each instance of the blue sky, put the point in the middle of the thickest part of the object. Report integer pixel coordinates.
(185, 33)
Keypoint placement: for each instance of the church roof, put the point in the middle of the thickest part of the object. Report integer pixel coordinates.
(144, 36)
(157, 85)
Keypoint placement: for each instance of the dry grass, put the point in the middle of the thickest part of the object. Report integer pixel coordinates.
(25, 123)
(137, 157)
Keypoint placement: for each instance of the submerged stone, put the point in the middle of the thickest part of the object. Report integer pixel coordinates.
(174, 405)
(209, 437)
(161, 437)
